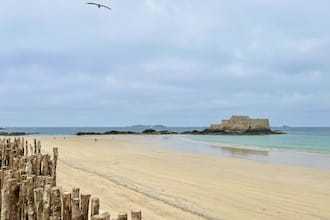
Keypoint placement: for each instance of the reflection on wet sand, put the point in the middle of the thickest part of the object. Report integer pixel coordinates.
(244, 153)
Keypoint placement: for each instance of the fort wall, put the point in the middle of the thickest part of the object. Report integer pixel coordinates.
(242, 123)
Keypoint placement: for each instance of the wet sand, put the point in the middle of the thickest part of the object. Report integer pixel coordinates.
(168, 184)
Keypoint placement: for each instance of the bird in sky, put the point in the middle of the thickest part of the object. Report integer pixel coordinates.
(98, 5)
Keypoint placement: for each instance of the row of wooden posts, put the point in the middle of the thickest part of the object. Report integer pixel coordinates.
(29, 190)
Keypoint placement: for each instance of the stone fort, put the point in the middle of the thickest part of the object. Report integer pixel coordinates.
(242, 123)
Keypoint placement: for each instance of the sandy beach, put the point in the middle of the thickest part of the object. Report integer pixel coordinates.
(168, 184)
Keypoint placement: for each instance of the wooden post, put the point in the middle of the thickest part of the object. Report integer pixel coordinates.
(7, 159)
(98, 217)
(38, 203)
(23, 199)
(34, 165)
(49, 181)
(11, 158)
(26, 149)
(3, 150)
(38, 165)
(45, 165)
(28, 167)
(1, 181)
(40, 181)
(103, 216)
(136, 215)
(84, 198)
(22, 147)
(13, 198)
(51, 167)
(39, 147)
(67, 208)
(22, 162)
(55, 203)
(76, 212)
(95, 206)
(75, 193)
(31, 149)
(122, 216)
(1, 178)
(55, 151)
(16, 163)
(4, 203)
(30, 198)
(35, 146)
(46, 202)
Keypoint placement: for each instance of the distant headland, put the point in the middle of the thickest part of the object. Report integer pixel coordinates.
(236, 125)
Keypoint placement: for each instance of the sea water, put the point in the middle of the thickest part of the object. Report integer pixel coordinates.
(314, 140)
(308, 147)
(310, 139)
(299, 146)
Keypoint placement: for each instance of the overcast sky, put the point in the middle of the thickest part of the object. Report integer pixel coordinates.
(177, 63)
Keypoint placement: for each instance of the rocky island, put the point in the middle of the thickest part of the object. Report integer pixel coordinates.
(241, 125)
(236, 125)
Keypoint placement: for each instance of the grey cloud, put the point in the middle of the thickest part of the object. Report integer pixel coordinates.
(155, 61)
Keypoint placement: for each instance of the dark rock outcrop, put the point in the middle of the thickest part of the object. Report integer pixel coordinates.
(149, 131)
(15, 133)
(247, 132)
(113, 132)
(206, 131)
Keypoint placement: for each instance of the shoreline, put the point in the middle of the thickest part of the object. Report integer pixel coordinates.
(291, 157)
(275, 156)
(169, 184)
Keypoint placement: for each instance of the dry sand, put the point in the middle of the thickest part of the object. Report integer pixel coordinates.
(174, 185)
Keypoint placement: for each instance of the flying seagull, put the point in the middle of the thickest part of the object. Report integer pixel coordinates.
(98, 5)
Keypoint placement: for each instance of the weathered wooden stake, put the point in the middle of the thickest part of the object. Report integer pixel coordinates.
(45, 165)
(4, 204)
(38, 203)
(26, 149)
(75, 193)
(122, 216)
(50, 181)
(95, 206)
(84, 198)
(136, 215)
(30, 198)
(67, 208)
(46, 202)
(22, 199)
(76, 211)
(38, 147)
(31, 149)
(34, 165)
(55, 151)
(55, 203)
(38, 165)
(98, 217)
(40, 181)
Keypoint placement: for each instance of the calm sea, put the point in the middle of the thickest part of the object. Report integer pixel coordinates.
(309, 139)
(300, 146)
(314, 140)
